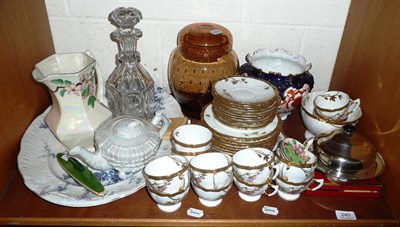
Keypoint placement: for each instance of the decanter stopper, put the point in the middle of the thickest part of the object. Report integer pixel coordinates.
(130, 88)
(125, 18)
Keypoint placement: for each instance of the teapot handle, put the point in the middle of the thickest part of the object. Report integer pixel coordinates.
(99, 79)
(160, 117)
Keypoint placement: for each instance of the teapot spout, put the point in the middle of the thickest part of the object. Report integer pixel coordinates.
(94, 160)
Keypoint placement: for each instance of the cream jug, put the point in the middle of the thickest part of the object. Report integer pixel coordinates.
(76, 88)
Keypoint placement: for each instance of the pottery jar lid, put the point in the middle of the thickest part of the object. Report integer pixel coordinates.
(204, 42)
(347, 150)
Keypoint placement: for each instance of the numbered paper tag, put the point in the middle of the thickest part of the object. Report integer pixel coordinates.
(216, 32)
(195, 213)
(270, 210)
(345, 215)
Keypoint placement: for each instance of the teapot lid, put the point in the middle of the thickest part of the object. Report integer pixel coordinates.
(126, 131)
(347, 150)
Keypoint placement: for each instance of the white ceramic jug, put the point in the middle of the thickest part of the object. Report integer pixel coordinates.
(76, 88)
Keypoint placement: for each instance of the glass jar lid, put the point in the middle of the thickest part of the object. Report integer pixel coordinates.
(204, 42)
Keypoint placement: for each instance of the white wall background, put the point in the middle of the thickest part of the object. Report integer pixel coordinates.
(312, 28)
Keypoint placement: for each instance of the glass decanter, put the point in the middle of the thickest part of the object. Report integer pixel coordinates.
(130, 88)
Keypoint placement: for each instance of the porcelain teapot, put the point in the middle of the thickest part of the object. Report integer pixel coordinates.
(125, 143)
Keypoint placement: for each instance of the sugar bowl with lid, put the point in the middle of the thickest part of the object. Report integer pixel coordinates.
(125, 143)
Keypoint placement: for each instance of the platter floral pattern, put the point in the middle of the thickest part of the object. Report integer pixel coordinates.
(43, 175)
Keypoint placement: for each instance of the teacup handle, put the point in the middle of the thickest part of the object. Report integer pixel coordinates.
(160, 117)
(353, 105)
(274, 187)
(215, 181)
(319, 182)
(99, 79)
(283, 169)
(276, 168)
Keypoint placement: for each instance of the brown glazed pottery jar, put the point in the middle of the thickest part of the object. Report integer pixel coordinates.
(204, 55)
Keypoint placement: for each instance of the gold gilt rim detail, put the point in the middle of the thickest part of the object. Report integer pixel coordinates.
(185, 167)
(268, 181)
(189, 145)
(214, 171)
(180, 191)
(305, 183)
(213, 90)
(327, 121)
(213, 190)
(295, 164)
(184, 153)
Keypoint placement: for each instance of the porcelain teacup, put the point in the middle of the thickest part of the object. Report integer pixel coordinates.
(191, 140)
(211, 177)
(254, 170)
(296, 163)
(334, 106)
(291, 191)
(167, 180)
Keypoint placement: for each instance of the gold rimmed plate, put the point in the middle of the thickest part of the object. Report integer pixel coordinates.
(244, 90)
(209, 119)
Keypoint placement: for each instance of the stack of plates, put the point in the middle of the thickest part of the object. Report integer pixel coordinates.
(242, 115)
(245, 103)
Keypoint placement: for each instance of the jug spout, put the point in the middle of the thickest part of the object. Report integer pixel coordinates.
(94, 160)
(38, 75)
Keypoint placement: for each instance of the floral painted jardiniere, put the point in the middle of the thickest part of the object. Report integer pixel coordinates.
(288, 72)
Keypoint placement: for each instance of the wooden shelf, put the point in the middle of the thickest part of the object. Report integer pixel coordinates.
(20, 206)
(369, 48)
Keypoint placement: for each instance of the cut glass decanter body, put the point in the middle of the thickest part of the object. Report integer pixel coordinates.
(130, 88)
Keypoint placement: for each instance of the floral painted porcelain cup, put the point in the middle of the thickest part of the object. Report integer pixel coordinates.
(167, 180)
(254, 171)
(334, 106)
(211, 177)
(291, 191)
(191, 140)
(296, 163)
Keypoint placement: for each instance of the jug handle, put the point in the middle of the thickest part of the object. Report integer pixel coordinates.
(160, 117)
(99, 79)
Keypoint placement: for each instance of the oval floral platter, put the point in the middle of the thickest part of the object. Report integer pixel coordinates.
(43, 175)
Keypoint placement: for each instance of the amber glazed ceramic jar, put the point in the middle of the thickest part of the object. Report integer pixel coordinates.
(204, 55)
